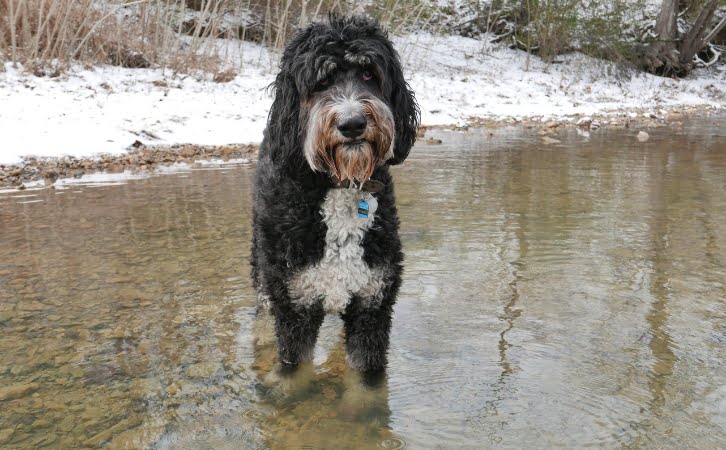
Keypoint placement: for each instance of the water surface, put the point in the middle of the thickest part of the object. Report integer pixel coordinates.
(558, 295)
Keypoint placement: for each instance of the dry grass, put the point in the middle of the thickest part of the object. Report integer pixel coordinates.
(48, 36)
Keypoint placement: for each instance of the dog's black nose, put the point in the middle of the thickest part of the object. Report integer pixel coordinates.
(354, 126)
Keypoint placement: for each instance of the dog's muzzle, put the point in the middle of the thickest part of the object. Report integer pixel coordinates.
(348, 134)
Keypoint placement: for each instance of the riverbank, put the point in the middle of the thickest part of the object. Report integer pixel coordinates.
(94, 118)
(43, 172)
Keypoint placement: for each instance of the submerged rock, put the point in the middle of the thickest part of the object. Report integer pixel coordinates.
(172, 389)
(5, 435)
(139, 437)
(105, 435)
(67, 424)
(207, 369)
(40, 423)
(145, 388)
(18, 391)
(548, 140)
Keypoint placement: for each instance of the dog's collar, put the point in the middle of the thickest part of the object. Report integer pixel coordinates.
(369, 186)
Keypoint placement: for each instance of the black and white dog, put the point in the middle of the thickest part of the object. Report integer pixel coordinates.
(325, 237)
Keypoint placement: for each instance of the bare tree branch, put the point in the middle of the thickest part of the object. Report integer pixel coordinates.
(715, 31)
(693, 40)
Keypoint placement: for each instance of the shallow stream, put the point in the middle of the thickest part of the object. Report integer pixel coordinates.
(556, 295)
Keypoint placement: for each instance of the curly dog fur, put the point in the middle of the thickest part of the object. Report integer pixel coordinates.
(342, 114)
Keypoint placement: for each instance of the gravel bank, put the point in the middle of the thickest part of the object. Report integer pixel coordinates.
(140, 158)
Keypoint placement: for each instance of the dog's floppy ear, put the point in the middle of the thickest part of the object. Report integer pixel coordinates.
(406, 114)
(283, 121)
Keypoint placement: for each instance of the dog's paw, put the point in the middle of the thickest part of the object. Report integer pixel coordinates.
(286, 382)
(361, 398)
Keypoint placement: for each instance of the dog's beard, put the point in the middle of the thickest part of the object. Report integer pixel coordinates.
(349, 159)
(353, 161)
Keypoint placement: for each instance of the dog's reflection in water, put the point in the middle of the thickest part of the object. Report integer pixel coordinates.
(323, 403)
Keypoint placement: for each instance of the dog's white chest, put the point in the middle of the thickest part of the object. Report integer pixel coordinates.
(342, 272)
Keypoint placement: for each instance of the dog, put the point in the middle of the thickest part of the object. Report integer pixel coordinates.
(325, 225)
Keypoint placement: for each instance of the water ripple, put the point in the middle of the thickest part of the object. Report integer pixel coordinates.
(394, 443)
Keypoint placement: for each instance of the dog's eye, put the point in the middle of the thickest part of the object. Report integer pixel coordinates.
(322, 84)
(366, 75)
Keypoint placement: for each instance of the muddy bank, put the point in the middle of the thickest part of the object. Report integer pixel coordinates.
(141, 157)
(144, 157)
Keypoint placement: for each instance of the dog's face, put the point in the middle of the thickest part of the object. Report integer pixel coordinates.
(341, 103)
(349, 128)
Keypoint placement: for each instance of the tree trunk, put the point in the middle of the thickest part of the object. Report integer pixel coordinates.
(666, 26)
(693, 41)
(672, 54)
(661, 56)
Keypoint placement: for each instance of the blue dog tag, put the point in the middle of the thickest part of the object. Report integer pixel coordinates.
(363, 209)
(367, 206)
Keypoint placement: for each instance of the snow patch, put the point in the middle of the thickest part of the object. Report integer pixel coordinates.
(101, 179)
(106, 109)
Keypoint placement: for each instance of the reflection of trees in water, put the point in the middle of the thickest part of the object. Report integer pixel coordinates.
(678, 220)
(196, 233)
(140, 282)
(514, 192)
(624, 220)
(660, 228)
(679, 213)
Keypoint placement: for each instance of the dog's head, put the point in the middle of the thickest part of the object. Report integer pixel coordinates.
(341, 103)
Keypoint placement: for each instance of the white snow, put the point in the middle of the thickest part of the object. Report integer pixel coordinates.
(105, 109)
(456, 78)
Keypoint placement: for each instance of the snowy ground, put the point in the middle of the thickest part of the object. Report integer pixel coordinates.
(106, 109)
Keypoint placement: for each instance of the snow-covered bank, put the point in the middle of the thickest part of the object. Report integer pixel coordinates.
(456, 78)
(106, 109)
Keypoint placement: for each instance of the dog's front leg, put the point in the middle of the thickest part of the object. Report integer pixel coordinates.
(297, 330)
(366, 334)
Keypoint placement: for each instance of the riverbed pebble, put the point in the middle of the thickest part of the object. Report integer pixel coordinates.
(105, 435)
(202, 370)
(18, 390)
(5, 435)
(138, 437)
(146, 388)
